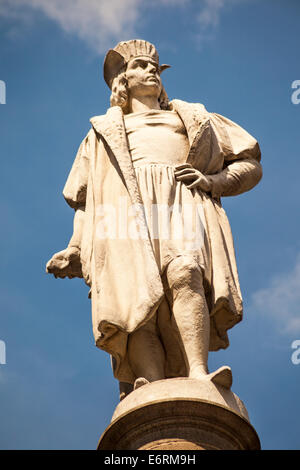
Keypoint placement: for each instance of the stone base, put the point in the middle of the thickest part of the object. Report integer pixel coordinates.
(180, 414)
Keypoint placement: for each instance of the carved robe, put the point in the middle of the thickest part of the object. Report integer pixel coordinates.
(126, 286)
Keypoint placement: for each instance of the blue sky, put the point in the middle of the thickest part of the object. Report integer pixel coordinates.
(237, 57)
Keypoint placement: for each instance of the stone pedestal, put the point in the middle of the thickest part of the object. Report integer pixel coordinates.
(180, 414)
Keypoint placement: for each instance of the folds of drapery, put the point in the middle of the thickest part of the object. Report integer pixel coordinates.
(219, 148)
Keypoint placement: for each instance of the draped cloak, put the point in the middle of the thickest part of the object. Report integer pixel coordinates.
(126, 286)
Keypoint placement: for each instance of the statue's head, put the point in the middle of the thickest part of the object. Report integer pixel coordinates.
(132, 67)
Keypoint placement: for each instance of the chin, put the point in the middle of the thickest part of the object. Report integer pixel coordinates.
(155, 85)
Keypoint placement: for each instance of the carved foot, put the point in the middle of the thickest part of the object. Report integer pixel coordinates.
(140, 382)
(222, 376)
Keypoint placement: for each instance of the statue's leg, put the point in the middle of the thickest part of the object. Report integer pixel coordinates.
(184, 279)
(145, 352)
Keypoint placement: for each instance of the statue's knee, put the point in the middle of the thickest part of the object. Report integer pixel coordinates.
(183, 271)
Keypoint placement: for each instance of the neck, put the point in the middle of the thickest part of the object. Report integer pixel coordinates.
(143, 103)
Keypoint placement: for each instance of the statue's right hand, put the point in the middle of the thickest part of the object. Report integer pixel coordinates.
(65, 263)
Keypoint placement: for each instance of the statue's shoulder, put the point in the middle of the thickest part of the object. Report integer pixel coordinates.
(192, 114)
(180, 105)
(96, 121)
(106, 122)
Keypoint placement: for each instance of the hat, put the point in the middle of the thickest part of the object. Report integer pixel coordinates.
(118, 57)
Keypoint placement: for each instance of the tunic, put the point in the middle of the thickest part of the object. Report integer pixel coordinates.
(157, 141)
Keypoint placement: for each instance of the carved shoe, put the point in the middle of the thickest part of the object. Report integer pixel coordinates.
(222, 376)
(140, 381)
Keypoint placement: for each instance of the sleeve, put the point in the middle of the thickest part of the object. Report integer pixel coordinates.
(75, 188)
(241, 152)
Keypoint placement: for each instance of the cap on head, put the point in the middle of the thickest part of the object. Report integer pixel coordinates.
(118, 57)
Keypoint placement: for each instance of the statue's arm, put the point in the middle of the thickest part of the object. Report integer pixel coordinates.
(242, 169)
(238, 177)
(238, 151)
(78, 224)
(67, 263)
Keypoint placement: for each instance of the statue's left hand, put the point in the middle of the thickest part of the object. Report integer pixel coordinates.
(192, 177)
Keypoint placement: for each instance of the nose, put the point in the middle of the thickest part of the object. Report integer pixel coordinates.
(151, 67)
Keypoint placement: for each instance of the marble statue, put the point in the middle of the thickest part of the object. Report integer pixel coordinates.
(150, 236)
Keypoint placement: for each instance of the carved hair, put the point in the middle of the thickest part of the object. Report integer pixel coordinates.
(119, 95)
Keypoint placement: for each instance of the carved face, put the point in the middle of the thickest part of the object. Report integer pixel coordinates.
(143, 76)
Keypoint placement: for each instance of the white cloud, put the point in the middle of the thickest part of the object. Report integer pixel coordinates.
(180, 3)
(96, 22)
(281, 300)
(209, 17)
(210, 13)
(100, 23)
